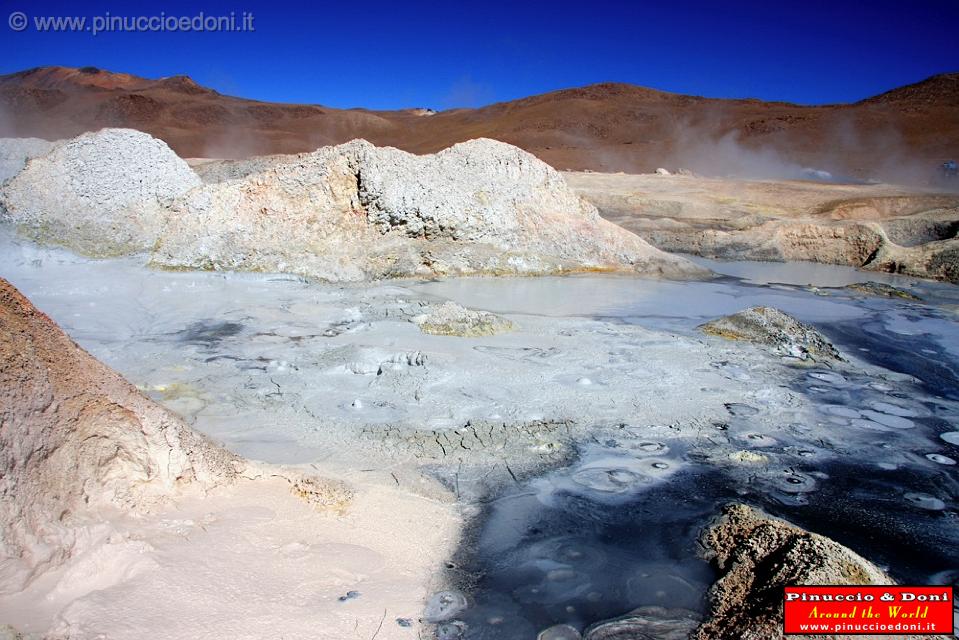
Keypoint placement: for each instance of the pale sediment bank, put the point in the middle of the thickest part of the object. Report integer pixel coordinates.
(249, 561)
(879, 227)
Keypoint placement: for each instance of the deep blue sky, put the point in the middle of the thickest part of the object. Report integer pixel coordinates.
(443, 54)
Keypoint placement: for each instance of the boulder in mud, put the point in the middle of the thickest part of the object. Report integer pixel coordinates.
(757, 555)
(451, 319)
(781, 333)
(881, 289)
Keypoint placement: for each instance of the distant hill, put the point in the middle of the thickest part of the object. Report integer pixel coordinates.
(603, 127)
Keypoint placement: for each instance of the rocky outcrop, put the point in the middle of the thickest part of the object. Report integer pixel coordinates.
(103, 193)
(862, 244)
(14, 153)
(356, 212)
(938, 260)
(782, 334)
(346, 213)
(877, 227)
(757, 555)
(77, 437)
(451, 319)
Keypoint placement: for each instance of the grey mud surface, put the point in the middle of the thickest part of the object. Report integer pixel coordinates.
(589, 445)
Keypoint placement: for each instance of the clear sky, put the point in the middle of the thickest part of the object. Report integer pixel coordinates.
(445, 54)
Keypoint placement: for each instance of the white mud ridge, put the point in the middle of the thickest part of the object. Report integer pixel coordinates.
(346, 213)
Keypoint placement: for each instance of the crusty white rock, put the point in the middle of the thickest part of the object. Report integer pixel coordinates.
(355, 212)
(349, 212)
(101, 193)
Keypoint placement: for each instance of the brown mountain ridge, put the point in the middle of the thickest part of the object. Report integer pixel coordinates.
(901, 133)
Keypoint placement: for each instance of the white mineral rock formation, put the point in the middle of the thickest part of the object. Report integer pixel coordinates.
(101, 193)
(350, 212)
(355, 212)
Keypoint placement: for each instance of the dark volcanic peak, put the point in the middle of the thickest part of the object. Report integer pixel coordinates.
(183, 84)
(65, 78)
(941, 89)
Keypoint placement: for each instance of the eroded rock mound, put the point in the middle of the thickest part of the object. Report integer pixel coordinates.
(938, 260)
(102, 193)
(757, 555)
(355, 212)
(770, 327)
(451, 319)
(75, 437)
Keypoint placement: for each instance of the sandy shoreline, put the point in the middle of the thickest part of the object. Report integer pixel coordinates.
(250, 561)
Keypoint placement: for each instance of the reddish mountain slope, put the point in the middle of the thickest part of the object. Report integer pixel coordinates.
(608, 127)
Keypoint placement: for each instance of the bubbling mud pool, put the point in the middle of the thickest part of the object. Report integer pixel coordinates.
(617, 529)
(665, 425)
